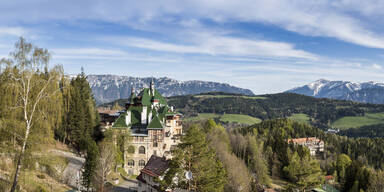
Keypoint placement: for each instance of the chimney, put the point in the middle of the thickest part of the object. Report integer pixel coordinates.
(128, 118)
(144, 115)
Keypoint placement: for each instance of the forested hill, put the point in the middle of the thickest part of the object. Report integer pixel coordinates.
(319, 112)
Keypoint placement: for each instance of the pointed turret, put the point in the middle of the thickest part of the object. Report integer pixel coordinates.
(152, 86)
(133, 95)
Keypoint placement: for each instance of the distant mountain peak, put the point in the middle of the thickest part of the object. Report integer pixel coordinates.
(107, 88)
(368, 92)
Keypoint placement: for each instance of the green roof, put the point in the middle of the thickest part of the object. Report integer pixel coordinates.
(155, 123)
(145, 98)
(120, 122)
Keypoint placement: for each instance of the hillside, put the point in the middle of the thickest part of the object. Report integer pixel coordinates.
(368, 92)
(319, 112)
(107, 88)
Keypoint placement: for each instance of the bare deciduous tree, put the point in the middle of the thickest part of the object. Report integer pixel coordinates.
(105, 163)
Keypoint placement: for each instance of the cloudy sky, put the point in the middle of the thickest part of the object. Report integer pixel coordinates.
(267, 46)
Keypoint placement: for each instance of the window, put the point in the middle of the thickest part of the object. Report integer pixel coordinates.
(142, 163)
(154, 152)
(155, 144)
(141, 150)
(131, 162)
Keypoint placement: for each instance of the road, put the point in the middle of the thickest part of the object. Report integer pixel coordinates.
(72, 172)
(126, 186)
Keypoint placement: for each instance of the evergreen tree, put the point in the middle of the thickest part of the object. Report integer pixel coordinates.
(305, 172)
(90, 165)
(82, 117)
(194, 155)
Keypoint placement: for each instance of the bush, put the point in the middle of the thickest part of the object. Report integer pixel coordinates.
(41, 188)
(122, 171)
(41, 176)
(131, 149)
(4, 185)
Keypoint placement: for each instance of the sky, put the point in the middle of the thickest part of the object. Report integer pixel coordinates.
(267, 46)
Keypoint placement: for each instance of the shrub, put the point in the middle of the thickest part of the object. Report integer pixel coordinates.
(41, 176)
(41, 188)
(131, 149)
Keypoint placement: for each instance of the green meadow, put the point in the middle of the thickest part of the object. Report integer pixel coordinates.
(231, 118)
(358, 121)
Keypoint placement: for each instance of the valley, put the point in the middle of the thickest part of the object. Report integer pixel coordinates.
(318, 112)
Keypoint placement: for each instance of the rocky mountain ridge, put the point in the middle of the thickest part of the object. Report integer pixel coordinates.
(108, 88)
(367, 92)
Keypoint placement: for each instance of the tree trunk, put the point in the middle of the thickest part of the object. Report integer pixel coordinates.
(15, 179)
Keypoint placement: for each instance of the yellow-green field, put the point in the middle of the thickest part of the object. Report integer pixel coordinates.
(236, 118)
(354, 122)
(229, 96)
(300, 117)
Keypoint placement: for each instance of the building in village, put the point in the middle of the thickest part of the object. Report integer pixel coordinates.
(107, 117)
(153, 170)
(314, 144)
(154, 127)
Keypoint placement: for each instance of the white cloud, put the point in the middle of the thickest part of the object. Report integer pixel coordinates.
(376, 66)
(327, 18)
(94, 53)
(88, 51)
(13, 31)
(217, 45)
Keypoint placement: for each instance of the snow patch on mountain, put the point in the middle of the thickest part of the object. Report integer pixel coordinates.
(368, 92)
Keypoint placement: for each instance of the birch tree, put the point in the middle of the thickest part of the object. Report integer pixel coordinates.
(34, 84)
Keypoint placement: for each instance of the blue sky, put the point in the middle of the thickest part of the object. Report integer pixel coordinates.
(267, 46)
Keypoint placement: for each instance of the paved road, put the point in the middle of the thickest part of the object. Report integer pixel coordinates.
(126, 186)
(72, 172)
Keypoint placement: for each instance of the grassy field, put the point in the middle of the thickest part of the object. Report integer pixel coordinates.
(354, 122)
(229, 96)
(300, 117)
(202, 117)
(237, 118)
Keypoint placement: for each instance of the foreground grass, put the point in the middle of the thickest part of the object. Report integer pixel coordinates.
(359, 121)
(231, 118)
(300, 117)
(42, 170)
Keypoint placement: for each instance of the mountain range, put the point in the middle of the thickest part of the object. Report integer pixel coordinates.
(107, 88)
(367, 92)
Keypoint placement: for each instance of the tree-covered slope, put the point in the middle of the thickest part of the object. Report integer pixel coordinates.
(321, 112)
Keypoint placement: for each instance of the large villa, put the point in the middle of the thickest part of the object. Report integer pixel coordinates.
(155, 128)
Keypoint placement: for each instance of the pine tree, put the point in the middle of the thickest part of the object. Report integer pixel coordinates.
(90, 164)
(305, 172)
(194, 155)
(82, 118)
